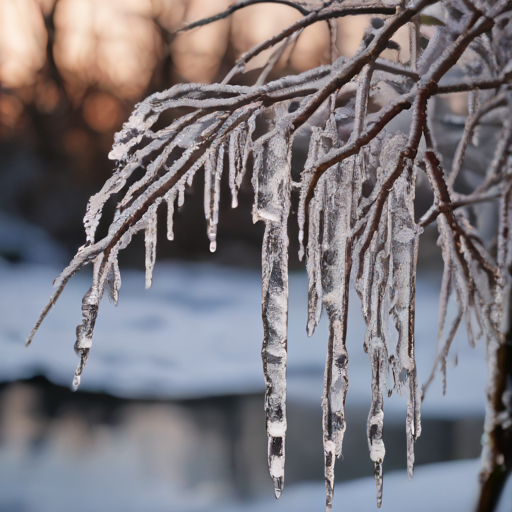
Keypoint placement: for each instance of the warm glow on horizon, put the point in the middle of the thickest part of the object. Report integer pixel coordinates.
(22, 42)
(108, 42)
(115, 45)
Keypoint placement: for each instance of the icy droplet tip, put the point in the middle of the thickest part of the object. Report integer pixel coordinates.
(76, 382)
(278, 487)
(213, 246)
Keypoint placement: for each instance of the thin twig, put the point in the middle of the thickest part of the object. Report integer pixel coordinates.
(309, 19)
(436, 209)
(235, 7)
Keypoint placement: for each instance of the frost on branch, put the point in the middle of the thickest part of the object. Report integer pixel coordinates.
(355, 203)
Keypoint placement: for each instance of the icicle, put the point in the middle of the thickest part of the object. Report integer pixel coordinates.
(372, 288)
(234, 160)
(213, 214)
(272, 185)
(240, 147)
(404, 235)
(113, 283)
(314, 249)
(336, 267)
(132, 134)
(209, 169)
(329, 265)
(170, 198)
(378, 352)
(84, 332)
(150, 242)
(181, 192)
(313, 260)
(307, 175)
(117, 278)
(237, 164)
(102, 273)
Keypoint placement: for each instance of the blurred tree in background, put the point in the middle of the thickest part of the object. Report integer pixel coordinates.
(71, 72)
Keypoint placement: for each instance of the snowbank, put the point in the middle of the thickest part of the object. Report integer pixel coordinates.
(197, 332)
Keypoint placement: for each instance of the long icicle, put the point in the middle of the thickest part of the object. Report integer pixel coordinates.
(314, 246)
(84, 332)
(376, 344)
(404, 234)
(272, 186)
(336, 268)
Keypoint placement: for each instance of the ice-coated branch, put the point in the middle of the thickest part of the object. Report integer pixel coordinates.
(356, 201)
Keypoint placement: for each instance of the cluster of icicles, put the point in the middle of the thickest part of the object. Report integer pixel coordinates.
(383, 269)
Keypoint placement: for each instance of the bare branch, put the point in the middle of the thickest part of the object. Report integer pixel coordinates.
(235, 7)
(471, 123)
(311, 18)
(436, 209)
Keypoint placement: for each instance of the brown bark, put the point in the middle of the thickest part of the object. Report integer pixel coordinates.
(500, 439)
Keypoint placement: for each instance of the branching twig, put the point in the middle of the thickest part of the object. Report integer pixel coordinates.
(237, 6)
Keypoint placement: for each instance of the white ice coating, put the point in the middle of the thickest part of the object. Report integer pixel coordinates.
(212, 195)
(150, 243)
(239, 147)
(115, 281)
(170, 199)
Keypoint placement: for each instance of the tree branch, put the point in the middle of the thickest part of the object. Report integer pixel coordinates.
(235, 7)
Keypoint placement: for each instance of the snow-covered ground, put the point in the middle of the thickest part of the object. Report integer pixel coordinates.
(446, 487)
(197, 332)
(46, 486)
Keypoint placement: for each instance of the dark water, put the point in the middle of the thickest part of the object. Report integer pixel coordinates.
(57, 446)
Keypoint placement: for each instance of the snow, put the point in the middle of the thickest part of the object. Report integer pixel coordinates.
(446, 487)
(197, 332)
(28, 243)
(118, 485)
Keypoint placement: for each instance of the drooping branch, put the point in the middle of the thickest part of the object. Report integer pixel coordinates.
(370, 238)
(436, 209)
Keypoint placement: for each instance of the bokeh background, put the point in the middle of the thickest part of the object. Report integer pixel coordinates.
(170, 411)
